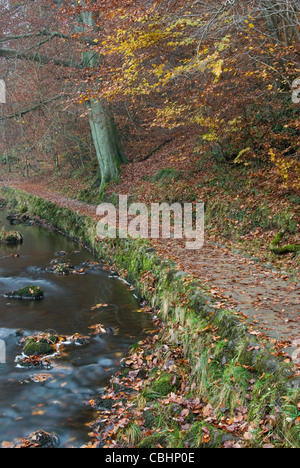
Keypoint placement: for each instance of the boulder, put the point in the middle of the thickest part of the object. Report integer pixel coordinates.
(38, 348)
(32, 293)
(11, 237)
(38, 439)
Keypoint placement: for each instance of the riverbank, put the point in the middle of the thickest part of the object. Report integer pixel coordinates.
(205, 379)
(63, 347)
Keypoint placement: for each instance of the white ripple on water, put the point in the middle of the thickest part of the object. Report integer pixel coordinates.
(10, 283)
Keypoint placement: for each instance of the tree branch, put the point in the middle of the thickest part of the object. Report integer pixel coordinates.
(50, 34)
(43, 59)
(32, 108)
(13, 38)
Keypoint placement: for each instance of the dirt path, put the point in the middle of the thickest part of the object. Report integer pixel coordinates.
(265, 298)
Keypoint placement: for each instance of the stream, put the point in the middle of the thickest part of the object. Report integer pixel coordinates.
(72, 304)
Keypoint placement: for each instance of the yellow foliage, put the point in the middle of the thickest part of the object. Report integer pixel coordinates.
(286, 168)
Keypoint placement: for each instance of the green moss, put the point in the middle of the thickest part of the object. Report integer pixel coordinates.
(291, 248)
(230, 327)
(53, 339)
(62, 269)
(38, 348)
(22, 209)
(30, 293)
(149, 417)
(163, 386)
(266, 363)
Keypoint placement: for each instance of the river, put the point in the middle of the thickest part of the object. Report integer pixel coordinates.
(59, 405)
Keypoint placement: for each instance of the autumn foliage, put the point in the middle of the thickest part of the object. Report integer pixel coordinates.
(223, 71)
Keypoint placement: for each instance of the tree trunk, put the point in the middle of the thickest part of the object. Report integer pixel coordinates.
(106, 140)
(105, 134)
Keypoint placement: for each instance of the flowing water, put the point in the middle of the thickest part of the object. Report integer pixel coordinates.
(58, 405)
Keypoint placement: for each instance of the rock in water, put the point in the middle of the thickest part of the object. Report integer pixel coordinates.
(60, 254)
(32, 293)
(38, 439)
(11, 237)
(38, 348)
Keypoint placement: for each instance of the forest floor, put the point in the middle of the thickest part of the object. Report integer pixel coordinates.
(245, 212)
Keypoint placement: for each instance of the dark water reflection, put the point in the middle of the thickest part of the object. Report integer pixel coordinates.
(57, 405)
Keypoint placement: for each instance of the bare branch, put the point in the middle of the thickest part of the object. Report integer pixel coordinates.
(42, 59)
(33, 108)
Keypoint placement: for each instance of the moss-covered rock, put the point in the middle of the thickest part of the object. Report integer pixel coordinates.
(38, 348)
(163, 385)
(149, 417)
(65, 268)
(62, 269)
(10, 237)
(104, 404)
(32, 293)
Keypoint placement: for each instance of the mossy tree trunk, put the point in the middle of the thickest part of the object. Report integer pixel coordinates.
(105, 134)
(106, 140)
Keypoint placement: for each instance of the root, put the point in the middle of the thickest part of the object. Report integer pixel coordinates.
(286, 249)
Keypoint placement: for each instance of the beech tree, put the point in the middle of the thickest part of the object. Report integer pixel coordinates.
(106, 139)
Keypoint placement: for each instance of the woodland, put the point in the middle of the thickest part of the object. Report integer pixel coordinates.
(211, 87)
(177, 101)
